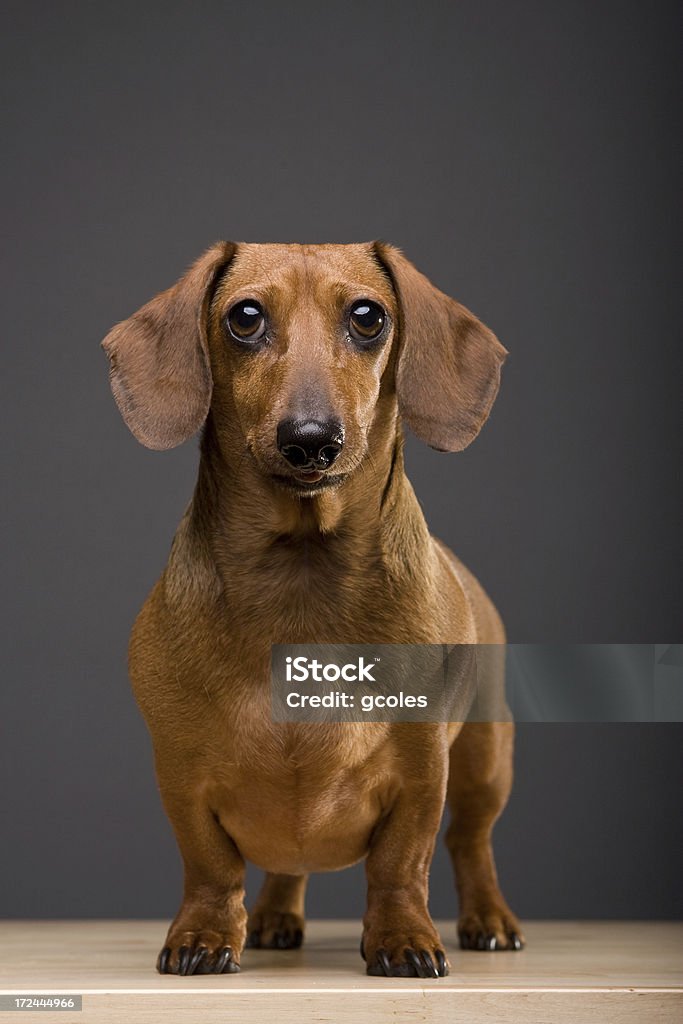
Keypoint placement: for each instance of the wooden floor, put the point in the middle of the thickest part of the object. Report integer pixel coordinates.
(570, 971)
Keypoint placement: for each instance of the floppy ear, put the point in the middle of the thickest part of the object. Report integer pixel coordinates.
(159, 360)
(448, 370)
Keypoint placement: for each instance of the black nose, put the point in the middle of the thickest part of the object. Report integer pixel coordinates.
(310, 444)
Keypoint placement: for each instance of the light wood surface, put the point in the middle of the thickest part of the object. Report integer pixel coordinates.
(570, 971)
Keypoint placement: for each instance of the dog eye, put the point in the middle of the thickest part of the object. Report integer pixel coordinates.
(246, 321)
(366, 321)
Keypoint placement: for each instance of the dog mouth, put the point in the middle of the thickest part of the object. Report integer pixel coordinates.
(309, 481)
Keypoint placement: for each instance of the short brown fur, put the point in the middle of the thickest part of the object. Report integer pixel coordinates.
(256, 561)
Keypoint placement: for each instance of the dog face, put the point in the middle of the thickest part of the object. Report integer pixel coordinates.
(299, 340)
(292, 347)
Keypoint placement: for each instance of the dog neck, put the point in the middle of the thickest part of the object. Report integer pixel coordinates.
(299, 563)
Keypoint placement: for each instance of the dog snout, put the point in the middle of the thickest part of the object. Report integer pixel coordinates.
(310, 444)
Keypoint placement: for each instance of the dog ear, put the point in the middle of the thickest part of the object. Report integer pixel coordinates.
(159, 360)
(448, 370)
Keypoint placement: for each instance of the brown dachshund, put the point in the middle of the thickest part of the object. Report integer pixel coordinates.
(300, 362)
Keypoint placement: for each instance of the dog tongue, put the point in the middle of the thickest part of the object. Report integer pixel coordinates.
(311, 477)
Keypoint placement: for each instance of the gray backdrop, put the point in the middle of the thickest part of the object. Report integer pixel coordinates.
(526, 156)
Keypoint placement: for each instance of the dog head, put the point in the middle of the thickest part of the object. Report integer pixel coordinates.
(297, 350)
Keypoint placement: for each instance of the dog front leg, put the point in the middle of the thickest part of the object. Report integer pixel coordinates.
(399, 937)
(207, 935)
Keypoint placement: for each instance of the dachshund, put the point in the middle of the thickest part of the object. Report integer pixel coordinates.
(301, 364)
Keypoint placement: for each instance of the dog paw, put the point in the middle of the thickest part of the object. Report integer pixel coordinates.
(202, 952)
(490, 930)
(406, 957)
(270, 929)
